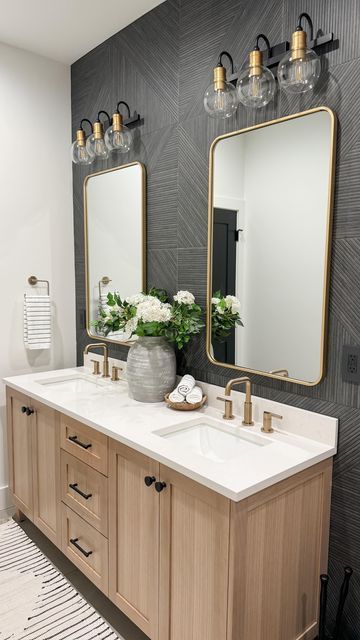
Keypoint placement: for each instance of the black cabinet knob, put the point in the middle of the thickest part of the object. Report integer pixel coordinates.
(159, 486)
(29, 411)
(23, 409)
(149, 480)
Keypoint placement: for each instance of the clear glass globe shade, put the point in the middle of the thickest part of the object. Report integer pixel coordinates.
(118, 140)
(80, 154)
(222, 103)
(97, 147)
(256, 90)
(299, 75)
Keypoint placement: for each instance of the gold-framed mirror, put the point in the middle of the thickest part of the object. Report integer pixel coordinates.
(115, 239)
(269, 238)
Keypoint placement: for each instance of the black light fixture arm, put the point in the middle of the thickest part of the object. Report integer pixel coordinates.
(88, 121)
(105, 114)
(261, 36)
(309, 21)
(126, 105)
(229, 57)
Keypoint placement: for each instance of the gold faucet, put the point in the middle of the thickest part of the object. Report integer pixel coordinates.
(100, 345)
(228, 415)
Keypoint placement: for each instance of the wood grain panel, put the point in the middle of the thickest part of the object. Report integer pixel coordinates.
(134, 537)
(96, 453)
(19, 439)
(95, 567)
(46, 470)
(194, 552)
(93, 509)
(279, 543)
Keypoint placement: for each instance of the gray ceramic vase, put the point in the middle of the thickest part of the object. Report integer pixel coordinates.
(151, 369)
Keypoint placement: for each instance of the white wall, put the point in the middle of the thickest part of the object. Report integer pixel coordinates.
(36, 222)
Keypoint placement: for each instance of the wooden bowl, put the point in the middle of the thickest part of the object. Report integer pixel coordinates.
(184, 406)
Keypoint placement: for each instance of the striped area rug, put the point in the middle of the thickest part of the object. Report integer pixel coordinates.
(36, 601)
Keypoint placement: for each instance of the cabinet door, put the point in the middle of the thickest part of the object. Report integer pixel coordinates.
(19, 433)
(46, 470)
(134, 537)
(194, 556)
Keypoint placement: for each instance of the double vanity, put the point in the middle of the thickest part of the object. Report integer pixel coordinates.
(194, 526)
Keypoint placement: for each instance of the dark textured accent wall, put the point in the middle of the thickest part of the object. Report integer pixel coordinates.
(161, 65)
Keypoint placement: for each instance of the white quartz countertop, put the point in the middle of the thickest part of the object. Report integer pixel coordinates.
(108, 409)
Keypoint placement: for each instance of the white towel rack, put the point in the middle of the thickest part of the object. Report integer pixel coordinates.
(33, 280)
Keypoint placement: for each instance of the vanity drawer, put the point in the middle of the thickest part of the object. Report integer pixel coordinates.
(84, 443)
(85, 491)
(85, 547)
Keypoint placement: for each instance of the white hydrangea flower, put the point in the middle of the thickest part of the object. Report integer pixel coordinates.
(215, 301)
(233, 303)
(131, 325)
(136, 299)
(152, 310)
(184, 297)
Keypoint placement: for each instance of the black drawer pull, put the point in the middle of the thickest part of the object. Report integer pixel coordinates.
(74, 487)
(75, 440)
(159, 486)
(149, 480)
(74, 541)
(23, 409)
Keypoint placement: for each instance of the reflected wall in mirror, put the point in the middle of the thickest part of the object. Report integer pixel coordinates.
(115, 239)
(270, 215)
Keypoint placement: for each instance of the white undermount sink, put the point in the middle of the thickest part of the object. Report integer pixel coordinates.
(73, 383)
(213, 440)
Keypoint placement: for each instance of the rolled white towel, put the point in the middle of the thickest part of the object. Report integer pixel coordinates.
(186, 384)
(195, 395)
(175, 396)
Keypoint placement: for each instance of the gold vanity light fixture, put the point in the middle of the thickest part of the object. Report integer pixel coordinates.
(300, 68)
(118, 136)
(298, 64)
(95, 144)
(256, 83)
(220, 98)
(79, 153)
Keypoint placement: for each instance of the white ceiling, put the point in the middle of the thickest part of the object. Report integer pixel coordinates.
(65, 30)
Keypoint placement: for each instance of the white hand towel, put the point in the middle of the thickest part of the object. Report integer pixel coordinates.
(195, 395)
(37, 322)
(186, 384)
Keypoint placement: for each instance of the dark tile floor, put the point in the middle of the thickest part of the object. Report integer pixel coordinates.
(122, 625)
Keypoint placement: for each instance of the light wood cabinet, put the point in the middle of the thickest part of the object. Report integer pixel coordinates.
(134, 536)
(34, 450)
(19, 438)
(45, 464)
(178, 559)
(194, 557)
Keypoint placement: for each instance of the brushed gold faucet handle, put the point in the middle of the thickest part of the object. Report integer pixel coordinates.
(267, 421)
(228, 415)
(96, 367)
(115, 373)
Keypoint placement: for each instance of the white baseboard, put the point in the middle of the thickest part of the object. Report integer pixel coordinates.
(5, 500)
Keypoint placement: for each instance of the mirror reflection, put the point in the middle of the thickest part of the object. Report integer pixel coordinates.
(115, 239)
(270, 220)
